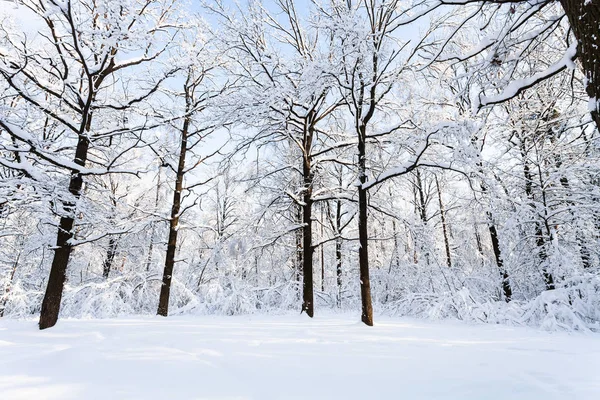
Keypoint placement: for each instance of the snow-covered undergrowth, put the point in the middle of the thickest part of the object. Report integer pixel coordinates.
(575, 307)
(292, 357)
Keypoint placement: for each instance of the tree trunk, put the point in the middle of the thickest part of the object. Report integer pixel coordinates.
(396, 254)
(165, 289)
(62, 252)
(444, 227)
(583, 18)
(153, 229)
(308, 249)
(478, 240)
(506, 288)
(584, 252)
(299, 251)
(10, 281)
(110, 257)
(338, 250)
(421, 210)
(539, 235)
(322, 256)
(363, 233)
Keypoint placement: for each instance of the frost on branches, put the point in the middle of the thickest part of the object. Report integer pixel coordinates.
(436, 159)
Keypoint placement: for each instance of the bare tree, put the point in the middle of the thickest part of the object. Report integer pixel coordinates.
(69, 81)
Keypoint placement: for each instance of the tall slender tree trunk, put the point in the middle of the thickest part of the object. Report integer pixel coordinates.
(322, 256)
(506, 288)
(444, 227)
(338, 250)
(396, 262)
(153, 229)
(539, 235)
(8, 288)
(421, 209)
(363, 233)
(299, 250)
(584, 251)
(165, 289)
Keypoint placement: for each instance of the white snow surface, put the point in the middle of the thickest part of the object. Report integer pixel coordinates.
(293, 357)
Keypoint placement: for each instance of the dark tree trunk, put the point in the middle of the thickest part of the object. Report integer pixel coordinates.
(308, 249)
(421, 209)
(110, 257)
(299, 251)
(338, 250)
(363, 233)
(506, 288)
(478, 240)
(307, 257)
(584, 17)
(396, 261)
(444, 227)
(165, 289)
(322, 256)
(62, 252)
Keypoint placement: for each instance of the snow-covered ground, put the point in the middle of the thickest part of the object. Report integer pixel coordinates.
(292, 357)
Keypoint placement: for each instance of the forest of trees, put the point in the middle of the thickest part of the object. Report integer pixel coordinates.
(429, 158)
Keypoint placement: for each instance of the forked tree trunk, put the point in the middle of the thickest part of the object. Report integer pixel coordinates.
(62, 252)
(421, 210)
(165, 289)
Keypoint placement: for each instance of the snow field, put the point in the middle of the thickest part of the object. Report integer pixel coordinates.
(293, 357)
